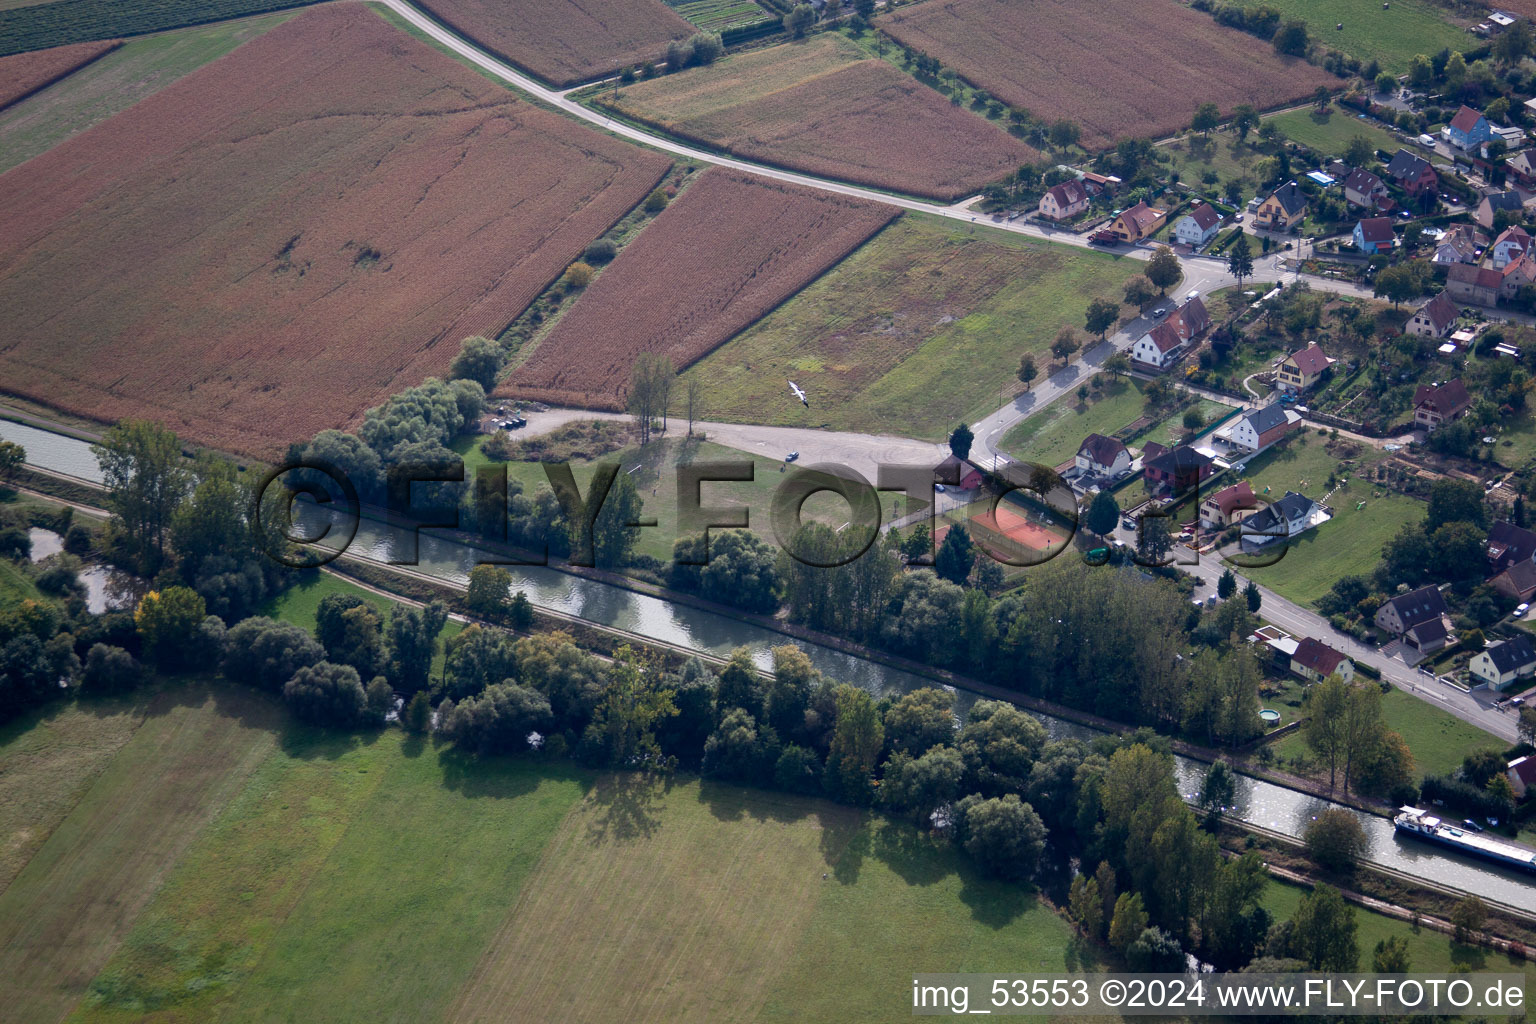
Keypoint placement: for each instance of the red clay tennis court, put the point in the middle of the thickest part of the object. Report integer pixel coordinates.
(1017, 528)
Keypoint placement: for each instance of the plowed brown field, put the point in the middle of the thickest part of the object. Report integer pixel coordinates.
(819, 107)
(1121, 68)
(566, 41)
(25, 73)
(731, 249)
(284, 238)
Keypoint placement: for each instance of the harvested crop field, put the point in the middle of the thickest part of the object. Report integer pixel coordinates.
(822, 108)
(286, 237)
(1056, 59)
(26, 73)
(566, 42)
(728, 251)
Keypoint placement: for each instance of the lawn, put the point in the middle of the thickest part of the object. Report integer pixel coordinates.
(1332, 132)
(1374, 31)
(141, 66)
(1347, 545)
(919, 329)
(1053, 435)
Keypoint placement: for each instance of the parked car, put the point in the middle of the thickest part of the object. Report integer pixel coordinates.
(1128, 523)
(1521, 609)
(939, 488)
(791, 457)
(1160, 312)
(517, 423)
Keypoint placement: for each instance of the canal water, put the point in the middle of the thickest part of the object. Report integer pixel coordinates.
(1260, 803)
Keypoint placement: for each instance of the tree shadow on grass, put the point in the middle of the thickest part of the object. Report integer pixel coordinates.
(994, 902)
(502, 777)
(919, 858)
(1466, 957)
(629, 806)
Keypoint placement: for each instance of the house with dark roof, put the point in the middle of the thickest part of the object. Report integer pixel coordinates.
(1521, 774)
(1468, 129)
(1281, 520)
(1175, 471)
(1495, 203)
(1508, 544)
(957, 472)
(1523, 166)
(1461, 243)
(1283, 209)
(1412, 172)
(1198, 226)
(1518, 581)
(1362, 188)
(1103, 457)
(1513, 242)
(1229, 505)
(1502, 663)
(1418, 617)
(1478, 286)
(1259, 428)
(1374, 235)
(1064, 201)
(1434, 404)
(1315, 661)
(1300, 370)
(1435, 318)
(1136, 223)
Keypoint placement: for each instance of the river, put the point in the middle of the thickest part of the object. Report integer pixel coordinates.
(1260, 803)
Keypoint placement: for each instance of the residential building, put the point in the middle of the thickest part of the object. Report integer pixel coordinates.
(1512, 137)
(1513, 242)
(1283, 209)
(1459, 244)
(1521, 774)
(1362, 188)
(1160, 347)
(1229, 505)
(1478, 286)
(1412, 173)
(1508, 544)
(1281, 520)
(1102, 456)
(1175, 471)
(1315, 661)
(1192, 318)
(1374, 235)
(1260, 428)
(1523, 166)
(1064, 201)
(1517, 275)
(1517, 582)
(1418, 617)
(1136, 223)
(1301, 370)
(1198, 226)
(1099, 184)
(1468, 129)
(1435, 318)
(1434, 404)
(960, 473)
(1495, 203)
(1502, 663)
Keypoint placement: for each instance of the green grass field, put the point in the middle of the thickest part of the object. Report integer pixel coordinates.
(1332, 132)
(140, 67)
(225, 863)
(1388, 35)
(1053, 436)
(30, 25)
(917, 330)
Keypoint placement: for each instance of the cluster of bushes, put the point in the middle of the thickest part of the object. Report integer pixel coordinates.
(701, 48)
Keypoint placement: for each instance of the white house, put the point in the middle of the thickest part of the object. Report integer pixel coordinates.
(1160, 347)
(1289, 517)
(1101, 456)
(1259, 428)
(1511, 244)
(1504, 662)
(1198, 226)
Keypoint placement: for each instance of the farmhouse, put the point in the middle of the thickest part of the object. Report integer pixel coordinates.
(1136, 223)
(1511, 244)
(1468, 128)
(1198, 226)
(1315, 661)
(1495, 203)
(1362, 188)
(1418, 617)
(1177, 470)
(1260, 428)
(1412, 173)
(1434, 404)
(1281, 520)
(1103, 457)
(1229, 505)
(1508, 544)
(1505, 661)
(1283, 209)
(1472, 284)
(1374, 235)
(1435, 318)
(1300, 370)
(1064, 201)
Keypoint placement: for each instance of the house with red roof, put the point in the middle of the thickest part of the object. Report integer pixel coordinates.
(1517, 275)
(1468, 129)
(1229, 505)
(1301, 370)
(1103, 457)
(1521, 774)
(1136, 223)
(1198, 226)
(1413, 173)
(1478, 286)
(1362, 188)
(1064, 201)
(1175, 471)
(1434, 404)
(1315, 661)
(1512, 243)
(1374, 235)
(1435, 318)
